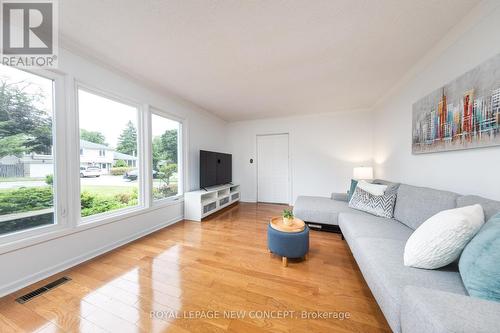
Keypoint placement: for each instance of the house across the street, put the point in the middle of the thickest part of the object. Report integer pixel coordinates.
(95, 154)
(129, 159)
(39, 166)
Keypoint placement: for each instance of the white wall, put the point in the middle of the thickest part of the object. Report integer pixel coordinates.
(26, 265)
(476, 171)
(324, 148)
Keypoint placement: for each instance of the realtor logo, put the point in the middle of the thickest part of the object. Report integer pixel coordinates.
(29, 33)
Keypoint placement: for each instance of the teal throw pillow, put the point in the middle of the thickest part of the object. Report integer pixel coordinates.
(354, 183)
(479, 263)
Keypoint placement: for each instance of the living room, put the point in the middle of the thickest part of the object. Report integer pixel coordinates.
(263, 166)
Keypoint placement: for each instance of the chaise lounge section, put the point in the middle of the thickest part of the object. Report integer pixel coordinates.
(412, 300)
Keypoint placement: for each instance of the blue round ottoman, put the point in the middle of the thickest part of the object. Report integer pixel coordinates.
(288, 244)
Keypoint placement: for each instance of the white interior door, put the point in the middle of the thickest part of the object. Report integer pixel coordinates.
(273, 174)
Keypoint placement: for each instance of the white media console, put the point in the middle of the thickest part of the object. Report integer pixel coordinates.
(201, 203)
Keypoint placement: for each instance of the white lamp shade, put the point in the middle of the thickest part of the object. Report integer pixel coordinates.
(362, 173)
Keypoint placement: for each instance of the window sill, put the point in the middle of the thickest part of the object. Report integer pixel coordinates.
(86, 225)
(157, 204)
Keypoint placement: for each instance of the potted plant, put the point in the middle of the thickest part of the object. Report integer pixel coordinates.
(287, 217)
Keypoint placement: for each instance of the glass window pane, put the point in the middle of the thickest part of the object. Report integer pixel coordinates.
(165, 142)
(109, 177)
(26, 150)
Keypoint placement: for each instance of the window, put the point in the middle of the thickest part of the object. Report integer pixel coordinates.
(108, 135)
(166, 157)
(27, 160)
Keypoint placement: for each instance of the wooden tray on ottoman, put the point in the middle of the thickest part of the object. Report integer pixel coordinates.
(297, 226)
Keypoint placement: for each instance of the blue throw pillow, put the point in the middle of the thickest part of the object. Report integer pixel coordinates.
(354, 183)
(479, 263)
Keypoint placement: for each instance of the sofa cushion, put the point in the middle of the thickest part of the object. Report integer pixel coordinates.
(490, 207)
(390, 185)
(381, 262)
(320, 209)
(433, 311)
(365, 225)
(340, 196)
(414, 205)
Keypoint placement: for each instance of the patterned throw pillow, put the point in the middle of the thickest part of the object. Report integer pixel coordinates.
(379, 205)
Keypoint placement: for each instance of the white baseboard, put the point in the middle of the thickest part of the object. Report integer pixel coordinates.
(24, 282)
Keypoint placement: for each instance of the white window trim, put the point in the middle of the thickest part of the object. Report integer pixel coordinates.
(67, 156)
(181, 162)
(108, 217)
(60, 166)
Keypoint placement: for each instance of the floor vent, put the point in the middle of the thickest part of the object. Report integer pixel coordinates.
(29, 296)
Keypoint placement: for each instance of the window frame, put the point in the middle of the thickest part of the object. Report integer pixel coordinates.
(114, 215)
(181, 157)
(67, 171)
(59, 150)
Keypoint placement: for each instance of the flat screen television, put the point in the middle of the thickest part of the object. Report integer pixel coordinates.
(215, 168)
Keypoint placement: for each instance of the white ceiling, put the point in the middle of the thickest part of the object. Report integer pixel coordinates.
(263, 58)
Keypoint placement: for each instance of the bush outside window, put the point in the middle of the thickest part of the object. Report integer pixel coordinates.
(165, 156)
(26, 151)
(109, 177)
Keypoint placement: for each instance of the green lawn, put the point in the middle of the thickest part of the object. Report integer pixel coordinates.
(3, 190)
(108, 190)
(20, 179)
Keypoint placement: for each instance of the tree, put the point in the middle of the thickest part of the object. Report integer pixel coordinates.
(169, 145)
(127, 142)
(168, 170)
(157, 152)
(93, 136)
(13, 145)
(165, 148)
(20, 114)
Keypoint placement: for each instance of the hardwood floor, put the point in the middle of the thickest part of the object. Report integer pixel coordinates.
(197, 271)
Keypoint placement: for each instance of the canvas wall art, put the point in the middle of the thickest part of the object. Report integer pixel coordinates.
(464, 114)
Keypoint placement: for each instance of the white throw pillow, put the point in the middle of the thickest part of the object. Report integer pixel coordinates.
(440, 240)
(375, 189)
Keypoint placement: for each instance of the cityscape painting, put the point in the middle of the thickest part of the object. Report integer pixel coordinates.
(464, 114)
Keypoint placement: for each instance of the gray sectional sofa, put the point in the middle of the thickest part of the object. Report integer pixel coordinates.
(412, 300)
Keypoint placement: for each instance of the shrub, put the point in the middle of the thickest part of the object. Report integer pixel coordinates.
(119, 171)
(87, 199)
(128, 197)
(123, 198)
(164, 191)
(49, 179)
(36, 198)
(120, 164)
(92, 203)
(26, 199)
(102, 205)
